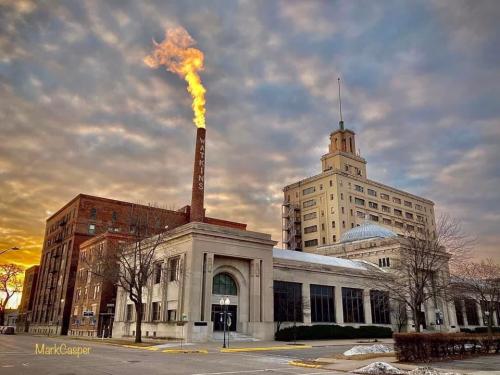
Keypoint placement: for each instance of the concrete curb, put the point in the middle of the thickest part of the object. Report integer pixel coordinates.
(262, 349)
(303, 364)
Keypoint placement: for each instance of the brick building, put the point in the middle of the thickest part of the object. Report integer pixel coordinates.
(26, 305)
(79, 220)
(91, 292)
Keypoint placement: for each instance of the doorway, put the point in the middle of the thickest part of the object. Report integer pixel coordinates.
(217, 317)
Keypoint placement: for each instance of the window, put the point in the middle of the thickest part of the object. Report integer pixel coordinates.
(373, 205)
(384, 196)
(396, 200)
(418, 207)
(333, 224)
(114, 217)
(360, 214)
(171, 315)
(311, 229)
(224, 284)
(410, 228)
(359, 188)
(387, 221)
(310, 243)
(459, 311)
(173, 269)
(331, 197)
(129, 312)
(352, 304)
(309, 190)
(322, 303)
(343, 224)
(398, 212)
(409, 215)
(157, 273)
(93, 214)
(156, 307)
(97, 289)
(398, 224)
(379, 302)
(471, 312)
(408, 204)
(386, 209)
(310, 216)
(331, 183)
(420, 218)
(287, 301)
(309, 203)
(371, 192)
(323, 240)
(91, 228)
(343, 210)
(334, 238)
(359, 201)
(143, 312)
(373, 217)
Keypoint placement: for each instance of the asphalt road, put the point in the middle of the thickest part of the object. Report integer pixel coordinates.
(17, 357)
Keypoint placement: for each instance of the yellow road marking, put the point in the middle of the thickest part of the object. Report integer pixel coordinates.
(236, 350)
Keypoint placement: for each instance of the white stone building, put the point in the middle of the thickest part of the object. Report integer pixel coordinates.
(200, 263)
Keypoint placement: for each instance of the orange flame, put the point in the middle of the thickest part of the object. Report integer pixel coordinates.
(178, 56)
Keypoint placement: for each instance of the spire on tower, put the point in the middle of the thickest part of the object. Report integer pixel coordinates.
(341, 122)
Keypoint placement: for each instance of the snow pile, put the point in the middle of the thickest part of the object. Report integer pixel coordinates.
(377, 368)
(429, 371)
(360, 349)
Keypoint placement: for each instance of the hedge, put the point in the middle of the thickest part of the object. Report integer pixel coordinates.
(331, 331)
(480, 330)
(410, 347)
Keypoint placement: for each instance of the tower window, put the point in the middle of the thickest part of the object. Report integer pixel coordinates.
(93, 213)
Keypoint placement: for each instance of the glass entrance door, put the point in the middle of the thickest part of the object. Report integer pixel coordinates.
(217, 317)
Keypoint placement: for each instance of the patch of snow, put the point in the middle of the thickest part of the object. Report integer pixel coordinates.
(299, 256)
(377, 368)
(363, 349)
(429, 371)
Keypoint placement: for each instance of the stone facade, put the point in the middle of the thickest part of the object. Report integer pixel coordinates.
(186, 299)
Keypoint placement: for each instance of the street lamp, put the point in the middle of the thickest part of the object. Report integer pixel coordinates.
(11, 249)
(224, 303)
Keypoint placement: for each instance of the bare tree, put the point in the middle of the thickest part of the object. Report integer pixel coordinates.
(129, 264)
(481, 281)
(10, 284)
(420, 273)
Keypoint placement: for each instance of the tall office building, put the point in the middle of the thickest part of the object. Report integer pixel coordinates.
(319, 209)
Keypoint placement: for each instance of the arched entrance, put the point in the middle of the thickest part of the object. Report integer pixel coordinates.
(224, 286)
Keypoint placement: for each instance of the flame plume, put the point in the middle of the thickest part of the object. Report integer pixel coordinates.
(178, 56)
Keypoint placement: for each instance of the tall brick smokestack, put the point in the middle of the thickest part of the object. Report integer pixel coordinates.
(198, 193)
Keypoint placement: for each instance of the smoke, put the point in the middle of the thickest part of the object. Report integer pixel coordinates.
(178, 56)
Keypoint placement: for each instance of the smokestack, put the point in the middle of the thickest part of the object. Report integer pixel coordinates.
(197, 210)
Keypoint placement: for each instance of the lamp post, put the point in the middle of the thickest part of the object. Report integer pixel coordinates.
(11, 249)
(224, 303)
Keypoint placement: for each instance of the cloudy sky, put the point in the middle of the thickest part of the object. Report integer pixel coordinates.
(80, 112)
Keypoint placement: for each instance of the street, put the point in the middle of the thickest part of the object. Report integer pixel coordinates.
(17, 356)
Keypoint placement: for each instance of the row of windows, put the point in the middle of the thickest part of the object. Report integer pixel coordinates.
(386, 197)
(289, 304)
(156, 312)
(172, 270)
(387, 209)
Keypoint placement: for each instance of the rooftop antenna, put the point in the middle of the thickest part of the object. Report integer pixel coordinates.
(341, 122)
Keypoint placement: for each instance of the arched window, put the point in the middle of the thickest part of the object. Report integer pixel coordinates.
(224, 284)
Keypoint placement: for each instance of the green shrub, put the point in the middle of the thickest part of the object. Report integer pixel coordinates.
(331, 331)
(413, 346)
(480, 330)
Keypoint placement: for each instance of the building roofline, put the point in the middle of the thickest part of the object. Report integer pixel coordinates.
(109, 200)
